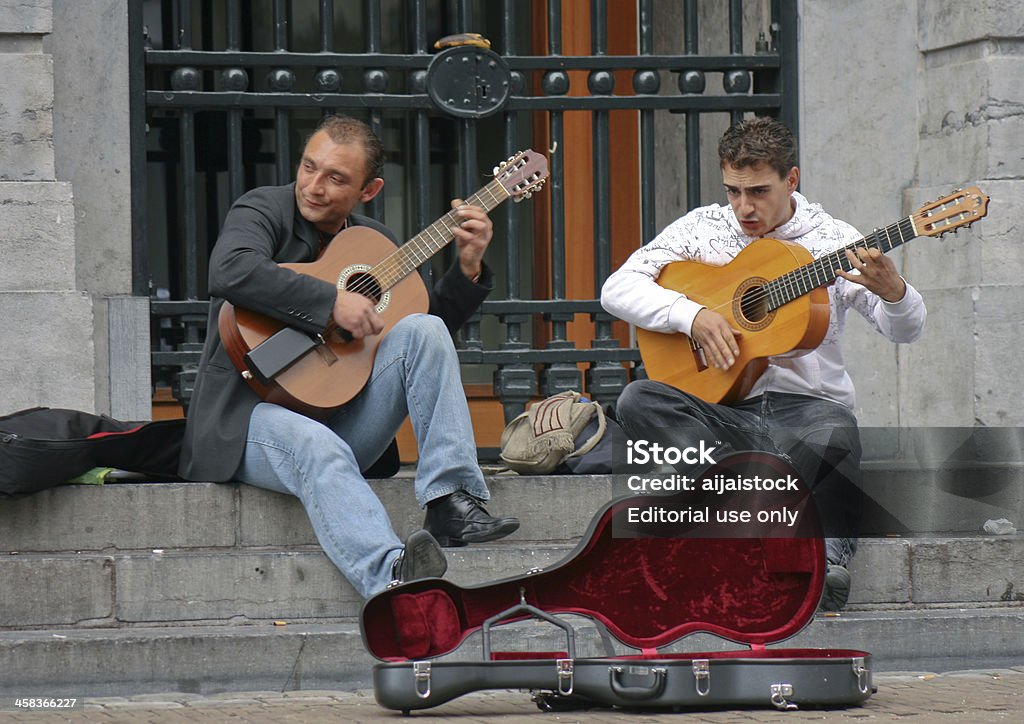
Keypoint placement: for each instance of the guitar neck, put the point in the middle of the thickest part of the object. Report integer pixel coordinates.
(407, 258)
(822, 270)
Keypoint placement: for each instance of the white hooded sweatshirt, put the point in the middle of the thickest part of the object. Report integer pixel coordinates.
(712, 235)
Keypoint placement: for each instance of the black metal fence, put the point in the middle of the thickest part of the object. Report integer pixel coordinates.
(232, 88)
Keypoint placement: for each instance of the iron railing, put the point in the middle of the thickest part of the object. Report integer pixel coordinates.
(230, 88)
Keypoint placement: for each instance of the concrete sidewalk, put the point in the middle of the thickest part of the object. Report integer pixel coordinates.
(964, 696)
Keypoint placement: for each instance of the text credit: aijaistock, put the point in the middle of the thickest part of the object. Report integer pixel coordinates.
(697, 492)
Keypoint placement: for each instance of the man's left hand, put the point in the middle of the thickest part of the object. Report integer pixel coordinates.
(876, 272)
(472, 237)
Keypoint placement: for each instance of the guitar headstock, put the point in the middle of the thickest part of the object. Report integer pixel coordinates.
(961, 208)
(522, 174)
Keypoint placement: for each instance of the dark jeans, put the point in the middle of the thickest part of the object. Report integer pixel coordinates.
(819, 437)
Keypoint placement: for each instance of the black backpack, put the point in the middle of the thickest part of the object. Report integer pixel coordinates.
(43, 447)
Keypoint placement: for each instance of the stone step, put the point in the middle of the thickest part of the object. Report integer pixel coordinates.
(902, 497)
(298, 583)
(134, 588)
(123, 589)
(146, 516)
(186, 553)
(212, 659)
(131, 516)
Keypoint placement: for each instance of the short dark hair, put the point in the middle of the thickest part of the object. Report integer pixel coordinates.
(758, 140)
(346, 129)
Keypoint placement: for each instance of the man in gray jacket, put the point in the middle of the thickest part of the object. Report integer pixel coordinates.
(232, 434)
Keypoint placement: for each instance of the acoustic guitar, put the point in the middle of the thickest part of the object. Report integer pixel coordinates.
(774, 293)
(317, 374)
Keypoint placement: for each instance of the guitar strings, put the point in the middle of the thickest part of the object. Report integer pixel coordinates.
(777, 292)
(390, 270)
(797, 282)
(408, 257)
(395, 266)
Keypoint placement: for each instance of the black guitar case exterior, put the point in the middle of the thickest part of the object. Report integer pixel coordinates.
(648, 584)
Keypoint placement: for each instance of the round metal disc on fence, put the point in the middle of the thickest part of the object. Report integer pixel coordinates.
(468, 82)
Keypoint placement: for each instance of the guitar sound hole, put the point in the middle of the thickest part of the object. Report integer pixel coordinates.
(365, 284)
(754, 304)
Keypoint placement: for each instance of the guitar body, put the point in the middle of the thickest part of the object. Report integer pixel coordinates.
(332, 373)
(316, 376)
(734, 291)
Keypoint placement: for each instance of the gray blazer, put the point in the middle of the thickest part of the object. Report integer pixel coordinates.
(264, 228)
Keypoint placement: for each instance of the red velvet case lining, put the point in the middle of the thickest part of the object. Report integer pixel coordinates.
(777, 655)
(649, 592)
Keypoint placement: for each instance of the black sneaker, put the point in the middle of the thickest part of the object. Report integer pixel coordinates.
(837, 588)
(422, 558)
(460, 518)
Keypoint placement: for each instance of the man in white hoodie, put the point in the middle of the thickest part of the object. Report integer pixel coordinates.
(802, 406)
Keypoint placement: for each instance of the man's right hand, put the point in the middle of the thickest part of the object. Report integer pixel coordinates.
(712, 332)
(356, 314)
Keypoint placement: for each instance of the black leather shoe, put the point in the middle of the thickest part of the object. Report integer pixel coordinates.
(459, 518)
(422, 558)
(837, 588)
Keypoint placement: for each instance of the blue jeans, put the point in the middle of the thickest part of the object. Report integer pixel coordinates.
(415, 373)
(820, 438)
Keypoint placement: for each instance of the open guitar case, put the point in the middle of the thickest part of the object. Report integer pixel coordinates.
(648, 585)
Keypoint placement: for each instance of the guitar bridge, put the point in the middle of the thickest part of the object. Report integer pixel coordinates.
(325, 352)
(700, 360)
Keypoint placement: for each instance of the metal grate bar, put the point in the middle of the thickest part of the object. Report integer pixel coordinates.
(222, 118)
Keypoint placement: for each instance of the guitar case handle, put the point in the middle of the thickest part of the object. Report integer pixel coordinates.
(637, 693)
(524, 608)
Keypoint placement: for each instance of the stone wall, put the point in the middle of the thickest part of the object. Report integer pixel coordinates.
(46, 339)
(972, 131)
(91, 133)
(901, 104)
(73, 336)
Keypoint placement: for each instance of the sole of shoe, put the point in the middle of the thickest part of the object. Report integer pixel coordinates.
(423, 557)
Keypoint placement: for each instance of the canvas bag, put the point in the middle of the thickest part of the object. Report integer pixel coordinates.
(541, 439)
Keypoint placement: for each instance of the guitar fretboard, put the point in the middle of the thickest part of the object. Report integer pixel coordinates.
(407, 258)
(822, 270)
